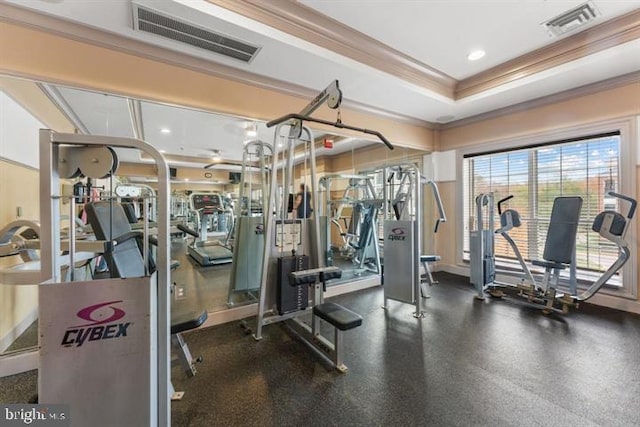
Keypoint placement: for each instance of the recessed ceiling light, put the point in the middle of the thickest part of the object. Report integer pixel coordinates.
(165, 130)
(163, 151)
(475, 55)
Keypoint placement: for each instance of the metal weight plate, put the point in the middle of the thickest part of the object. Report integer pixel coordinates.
(67, 163)
(97, 162)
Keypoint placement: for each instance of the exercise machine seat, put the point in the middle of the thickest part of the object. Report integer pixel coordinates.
(181, 322)
(340, 317)
(429, 258)
(549, 264)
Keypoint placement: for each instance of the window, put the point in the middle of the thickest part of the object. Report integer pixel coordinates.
(588, 167)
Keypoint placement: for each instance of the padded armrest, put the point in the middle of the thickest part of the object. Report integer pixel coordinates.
(308, 277)
(303, 278)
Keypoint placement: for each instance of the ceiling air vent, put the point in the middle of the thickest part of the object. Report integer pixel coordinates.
(153, 22)
(572, 19)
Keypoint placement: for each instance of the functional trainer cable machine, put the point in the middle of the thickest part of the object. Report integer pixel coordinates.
(293, 259)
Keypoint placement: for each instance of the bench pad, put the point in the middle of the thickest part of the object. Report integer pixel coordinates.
(340, 317)
(185, 321)
(549, 264)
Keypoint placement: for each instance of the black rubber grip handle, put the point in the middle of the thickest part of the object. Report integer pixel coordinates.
(634, 203)
(188, 230)
(500, 202)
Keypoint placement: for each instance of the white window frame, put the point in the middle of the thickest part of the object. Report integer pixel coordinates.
(629, 128)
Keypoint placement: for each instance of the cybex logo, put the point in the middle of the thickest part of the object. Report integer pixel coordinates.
(397, 233)
(97, 315)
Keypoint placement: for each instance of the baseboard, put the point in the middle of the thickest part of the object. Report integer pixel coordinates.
(18, 329)
(600, 299)
(352, 286)
(453, 269)
(16, 363)
(230, 315)
(617, 303)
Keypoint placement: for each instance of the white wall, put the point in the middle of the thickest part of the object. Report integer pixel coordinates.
(18, 133)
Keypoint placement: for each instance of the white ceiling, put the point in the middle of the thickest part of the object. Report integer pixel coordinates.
(437, 33)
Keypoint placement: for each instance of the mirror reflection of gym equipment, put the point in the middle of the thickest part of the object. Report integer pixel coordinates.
(244, 283)
(214, 216)
(350, 222)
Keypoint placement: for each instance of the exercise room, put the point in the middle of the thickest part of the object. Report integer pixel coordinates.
(353, 213)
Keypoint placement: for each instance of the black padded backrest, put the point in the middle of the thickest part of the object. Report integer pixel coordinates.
(367, 226)
(109, 221)
(563, 227)
(130, 211)
(354, 222)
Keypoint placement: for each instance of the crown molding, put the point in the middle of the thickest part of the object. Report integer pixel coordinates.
(585, 90)
(305, 23)
(603, 36)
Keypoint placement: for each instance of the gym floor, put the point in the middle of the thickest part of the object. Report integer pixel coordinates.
(467, 362)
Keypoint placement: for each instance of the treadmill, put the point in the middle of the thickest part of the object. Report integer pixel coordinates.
(208, 252)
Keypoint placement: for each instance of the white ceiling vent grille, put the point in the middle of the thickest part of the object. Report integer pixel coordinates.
(153, 22)
(572, 19)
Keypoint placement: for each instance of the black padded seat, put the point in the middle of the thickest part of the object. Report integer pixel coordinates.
(429, 258)
(340, 317)
(182, 322)
(549, 264)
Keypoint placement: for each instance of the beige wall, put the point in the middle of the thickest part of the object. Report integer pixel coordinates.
(606, 105)
(612, 104)
(18, 187)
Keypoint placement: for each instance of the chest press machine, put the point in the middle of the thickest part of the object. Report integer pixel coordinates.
(559, 252)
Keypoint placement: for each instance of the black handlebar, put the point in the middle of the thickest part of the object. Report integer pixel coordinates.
(501, 201)
(188, 230)
(634, 203)
(339, 125)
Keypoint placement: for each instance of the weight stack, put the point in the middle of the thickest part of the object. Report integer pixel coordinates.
(291, 298)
